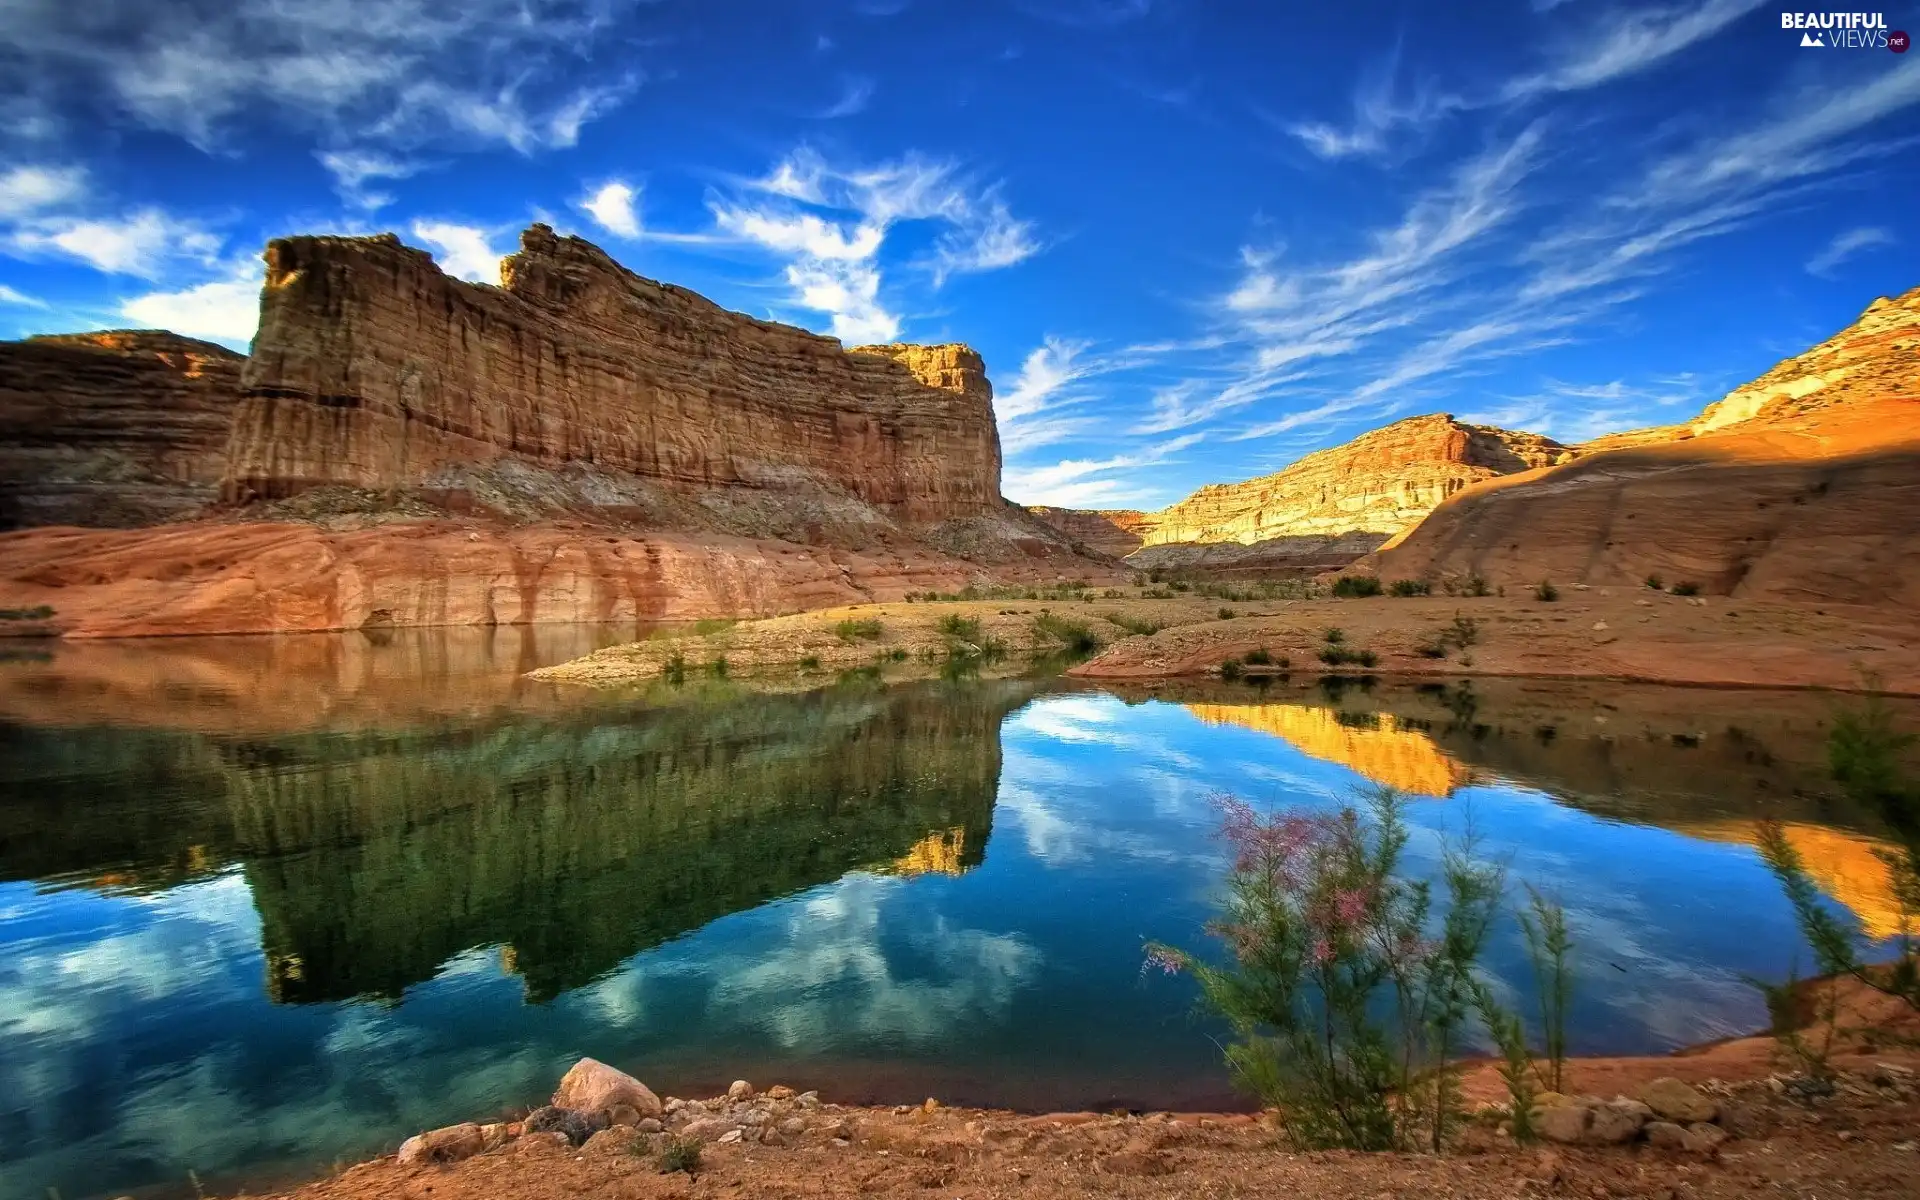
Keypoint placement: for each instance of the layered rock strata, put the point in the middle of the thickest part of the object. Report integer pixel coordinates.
(121, 428)
(1802, 486)
(373, 369)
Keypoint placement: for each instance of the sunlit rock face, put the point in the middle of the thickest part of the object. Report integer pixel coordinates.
(1324, 511)
(1846, 865)
(116, 429)
(1802, 486)
(373, 369)
(1378, 745)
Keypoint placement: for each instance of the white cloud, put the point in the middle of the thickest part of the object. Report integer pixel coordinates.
(224, 310)
(1080, 483)
(19, 299)
(143, 243)
(396, 74)
(1847, 244)
(462, 250)
(802, 234)
(989, 243)
(353, 169)
(855, 94)
(1378, 112)
(850, 292)
(25, 191)
(612, 207)
(1625, 42)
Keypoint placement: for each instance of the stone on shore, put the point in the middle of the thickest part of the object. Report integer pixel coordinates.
(450, 1144)
(1678, 1102)
(1563, 1123)
(739, 1089)
(593, 1087)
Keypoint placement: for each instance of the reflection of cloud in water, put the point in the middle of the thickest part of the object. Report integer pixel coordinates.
(829, 967)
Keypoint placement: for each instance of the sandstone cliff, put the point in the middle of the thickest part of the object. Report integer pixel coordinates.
(1804, 485)
(373, 369)
(112, 429)
(1322, 512)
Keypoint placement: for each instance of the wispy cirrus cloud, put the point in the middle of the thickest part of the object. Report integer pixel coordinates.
(19, 299)
(1847, 244)
(1088, 482)
(831, 222)
(856, 92)
(1622, 42)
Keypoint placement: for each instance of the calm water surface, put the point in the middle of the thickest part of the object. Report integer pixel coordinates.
(268, 903)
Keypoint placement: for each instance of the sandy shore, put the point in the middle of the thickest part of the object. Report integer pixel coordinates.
(1635, 635)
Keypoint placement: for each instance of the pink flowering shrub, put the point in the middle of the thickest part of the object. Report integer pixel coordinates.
(1347, 999)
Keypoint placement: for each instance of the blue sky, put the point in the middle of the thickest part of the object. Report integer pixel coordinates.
(1194, 240)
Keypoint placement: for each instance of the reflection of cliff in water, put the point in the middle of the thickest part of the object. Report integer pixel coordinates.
(374, 857)
(1705, 763)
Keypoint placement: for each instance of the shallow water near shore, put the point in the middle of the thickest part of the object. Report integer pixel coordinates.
(271, 903)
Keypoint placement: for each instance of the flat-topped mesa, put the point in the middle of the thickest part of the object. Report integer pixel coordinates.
(116, 428)
(374, 369)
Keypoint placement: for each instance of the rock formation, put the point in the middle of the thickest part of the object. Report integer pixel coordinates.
(1115, 532)
(1802, 486)
(577, 444)
(1324, 511)
(373, 369)
(112, 429)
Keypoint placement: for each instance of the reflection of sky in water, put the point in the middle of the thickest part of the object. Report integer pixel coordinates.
(136, 1040)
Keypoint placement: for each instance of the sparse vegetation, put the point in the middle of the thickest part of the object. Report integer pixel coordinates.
(851, 631)
(1231, 669)
(1686, 589)
(1334, 635)
(810, 663)
(675, 669)
(709, 626)
(1410, 587)
(1350, 587)
(1259, 658)
(718, 667)
(1139, 626)
(1340, 656)
(1076, 636)
(1477, 585)
(1227, 614)
(679, 1154)
(967, 644)
(1348, 1006)
(1654, 582)
(1461, 633)
(39, 612)
(1546, 591)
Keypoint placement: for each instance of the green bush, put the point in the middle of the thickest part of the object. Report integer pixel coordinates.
(1356, 586)
(1686, 589)
(1259, 658)
(1349, 1003)
(851, 631)
(1476, 585)
(1334, 635)
(1227, 614)
(1411, 587)
(675, 668)
(1653, 581)
(1546, 591)
(1139, 626)
(1076, 636)
(679, 1154)
(1230, 669)
(718, 667)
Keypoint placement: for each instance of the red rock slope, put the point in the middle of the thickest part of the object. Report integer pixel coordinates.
(1803, 486)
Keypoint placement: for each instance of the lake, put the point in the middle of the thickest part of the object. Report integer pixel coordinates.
(271, 903)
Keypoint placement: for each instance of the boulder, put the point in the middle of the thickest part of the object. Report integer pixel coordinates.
(1666, 1135)
(779, 1091)
(1678, 1102)
(648, 1125)
(708, 1129)
(739, 1089)
(577, 1126)
(450, 1144)
(1614, 1125)
(1563, 1123)
(592, 1086)
(1703, 1138)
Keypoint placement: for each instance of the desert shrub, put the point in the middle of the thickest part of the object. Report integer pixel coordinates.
(1155, 593)
(1868, 757)
(1227, 614)
(851, 631)
(1546, 591)
(1348, 1006)
(1112, 594)
(1654, 582)
(679, 1154)
(1356, 586)
(1476, 585)
(675, 668)
(1231, 669)
(1686, 589)
(1464, 632)
(1334, 635)
(1433, 648)
(1259, 657)
(1180, 585)
(718, 667)
(954, 625)
(810, 663)
(1076, 636)
(1140, 626)
(1410, 587)
(1339, 656)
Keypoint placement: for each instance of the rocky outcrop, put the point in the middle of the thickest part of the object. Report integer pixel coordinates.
(114, 429)
(1115, 532)
(1803, 486)
(373, 369)
(1321, 513)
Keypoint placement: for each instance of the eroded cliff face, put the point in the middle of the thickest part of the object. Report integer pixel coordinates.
(1804, 486)
(373, 369)
(1324, 511)
(113, 429)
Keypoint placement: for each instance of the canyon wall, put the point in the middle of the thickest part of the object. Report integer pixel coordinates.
(1802, 486)
(373, 369)
(1321, 513)
(119, 429)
